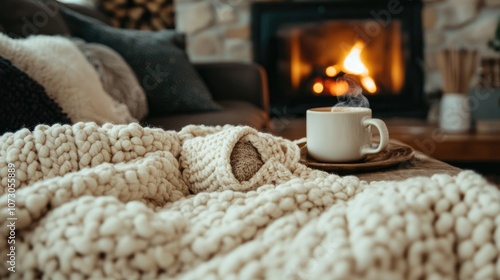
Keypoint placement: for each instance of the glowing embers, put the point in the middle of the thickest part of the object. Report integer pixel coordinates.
(318, 87)
(334, 87)
(352, 65)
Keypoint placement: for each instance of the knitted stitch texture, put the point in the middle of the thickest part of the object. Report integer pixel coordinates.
(113, 202)
(206, 152)
(25, 104)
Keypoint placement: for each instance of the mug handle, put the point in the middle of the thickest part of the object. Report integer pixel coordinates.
(384, 136)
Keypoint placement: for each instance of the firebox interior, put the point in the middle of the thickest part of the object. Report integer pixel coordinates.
(309, 49)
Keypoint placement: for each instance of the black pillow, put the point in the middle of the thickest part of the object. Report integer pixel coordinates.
(24, 102)
(21, 18)
(170, 81)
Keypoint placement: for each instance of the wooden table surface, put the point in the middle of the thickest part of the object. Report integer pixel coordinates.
(429, 139)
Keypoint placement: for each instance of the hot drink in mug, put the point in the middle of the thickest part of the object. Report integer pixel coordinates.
(343, 134)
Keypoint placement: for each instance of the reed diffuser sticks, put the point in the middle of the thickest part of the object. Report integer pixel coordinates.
(457, 67)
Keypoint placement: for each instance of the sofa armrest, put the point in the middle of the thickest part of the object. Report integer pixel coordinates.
(236, 81)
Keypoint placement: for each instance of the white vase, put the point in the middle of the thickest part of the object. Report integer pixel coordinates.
(454, 115)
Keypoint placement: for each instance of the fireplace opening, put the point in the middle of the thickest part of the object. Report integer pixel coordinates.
(308, 50)
(313, 58)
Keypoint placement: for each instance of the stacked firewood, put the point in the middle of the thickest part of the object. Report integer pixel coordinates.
(140, 14)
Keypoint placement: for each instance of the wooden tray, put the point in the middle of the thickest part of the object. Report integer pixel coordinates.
(393, 155)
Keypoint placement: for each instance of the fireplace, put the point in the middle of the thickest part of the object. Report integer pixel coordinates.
(314, 52)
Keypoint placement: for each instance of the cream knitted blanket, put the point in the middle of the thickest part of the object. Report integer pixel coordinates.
(128, 202)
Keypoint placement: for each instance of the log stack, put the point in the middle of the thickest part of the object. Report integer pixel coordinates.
(140, 14)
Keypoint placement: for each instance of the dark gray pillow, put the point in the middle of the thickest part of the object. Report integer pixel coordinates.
(163, 69)
(88, 11)
(21, 18)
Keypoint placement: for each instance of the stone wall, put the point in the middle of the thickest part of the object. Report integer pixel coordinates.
(219, 30)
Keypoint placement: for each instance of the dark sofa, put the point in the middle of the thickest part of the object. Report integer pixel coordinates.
(239, 88)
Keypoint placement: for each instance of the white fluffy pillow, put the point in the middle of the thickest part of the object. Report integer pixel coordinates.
(69, 79)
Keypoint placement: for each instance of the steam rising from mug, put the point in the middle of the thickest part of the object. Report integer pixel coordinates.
(354, 97)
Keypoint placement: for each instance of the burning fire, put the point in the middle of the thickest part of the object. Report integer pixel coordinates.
(369, 84)
(352, 64)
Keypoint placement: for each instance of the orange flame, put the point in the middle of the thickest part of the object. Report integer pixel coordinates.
(369, 84)
(352, 62)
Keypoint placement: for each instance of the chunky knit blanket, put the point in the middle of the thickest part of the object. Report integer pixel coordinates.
(129, 202)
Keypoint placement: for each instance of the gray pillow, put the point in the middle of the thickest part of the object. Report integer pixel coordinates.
(116, 76)
(170, 81)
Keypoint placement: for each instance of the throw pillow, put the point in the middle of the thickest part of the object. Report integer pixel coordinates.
(25, 104)
(69, 79)
(21, 18)
(116, 77)
(170, 81)
(89, 11)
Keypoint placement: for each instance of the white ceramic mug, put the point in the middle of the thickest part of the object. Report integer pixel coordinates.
(343, 134)
(454, 113)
